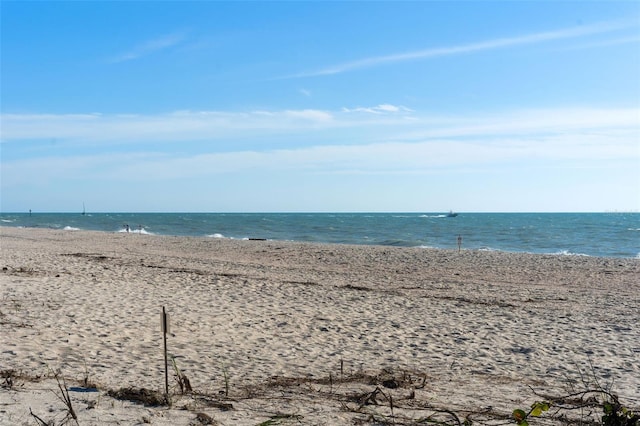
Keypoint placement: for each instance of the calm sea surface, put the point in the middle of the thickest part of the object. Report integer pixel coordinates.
(590, 234)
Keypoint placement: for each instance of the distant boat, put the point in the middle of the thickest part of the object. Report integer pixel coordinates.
(452, 214)
(83, 210)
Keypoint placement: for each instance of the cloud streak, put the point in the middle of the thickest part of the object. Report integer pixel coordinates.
(567, 33)
(388, 158)
(386, 121)
(425, 145)
(148, 47)
(379, 109)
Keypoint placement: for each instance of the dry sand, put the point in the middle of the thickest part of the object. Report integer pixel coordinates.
(298, 333)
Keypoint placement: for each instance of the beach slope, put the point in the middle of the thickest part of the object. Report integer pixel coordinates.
(303, 333)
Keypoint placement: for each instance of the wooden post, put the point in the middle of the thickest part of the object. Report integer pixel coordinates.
(165, 326)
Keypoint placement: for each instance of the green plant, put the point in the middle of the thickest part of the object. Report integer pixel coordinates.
(615, 414)
(537, 408)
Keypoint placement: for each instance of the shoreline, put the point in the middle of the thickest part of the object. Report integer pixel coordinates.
(591, 234)
(146, 234)
(480, 326)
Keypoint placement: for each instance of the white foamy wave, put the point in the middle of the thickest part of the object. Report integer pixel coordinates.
(141, 231)
(8, 220)
(433, 215)
(216, 235)
(568, 253)
(70, 228)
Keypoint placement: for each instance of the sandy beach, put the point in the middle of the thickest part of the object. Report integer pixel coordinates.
(294, 333)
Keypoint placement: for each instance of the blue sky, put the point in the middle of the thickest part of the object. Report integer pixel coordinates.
(320, 106)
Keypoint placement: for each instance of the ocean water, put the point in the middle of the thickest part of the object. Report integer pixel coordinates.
(586, 234)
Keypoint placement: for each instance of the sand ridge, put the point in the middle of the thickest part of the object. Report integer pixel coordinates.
(474, 328)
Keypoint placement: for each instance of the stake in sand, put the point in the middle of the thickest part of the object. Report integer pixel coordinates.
(164, 322)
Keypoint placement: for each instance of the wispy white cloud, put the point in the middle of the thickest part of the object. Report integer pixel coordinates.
(149, 47)
(399, 158)
(608, 42)
(310, 114)
(383, 121)
(499, 43)
(532, 122)
(379, 109)
(603, 141)
(174, 126)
